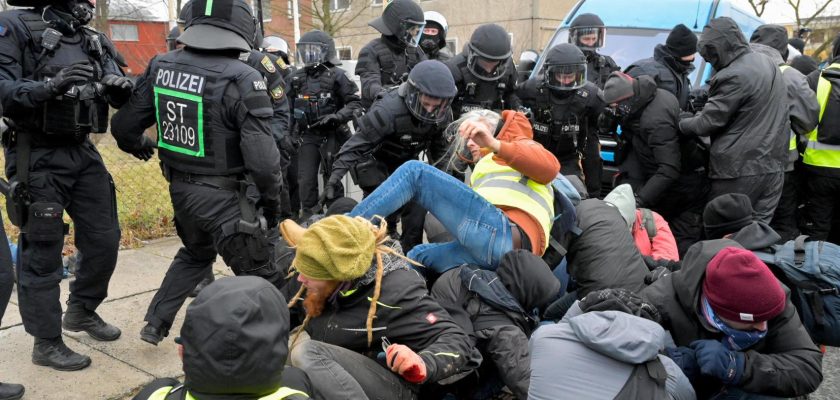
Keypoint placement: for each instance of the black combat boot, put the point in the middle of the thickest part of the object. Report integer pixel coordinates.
(55, 354)
(152, 334)
(11, 391)
(78, 318)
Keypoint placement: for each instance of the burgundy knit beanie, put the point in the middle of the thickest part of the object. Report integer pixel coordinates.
(741, 288)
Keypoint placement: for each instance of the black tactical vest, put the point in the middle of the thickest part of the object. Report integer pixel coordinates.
(560, 124)
(410, 136)
(394, 67)
(314, 94)
(188, 94)
(475, 94)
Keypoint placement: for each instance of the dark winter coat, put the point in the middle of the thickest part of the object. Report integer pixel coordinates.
(604, 255)
(500, 335)
(663, 67)
(785, 363)
(747, 109)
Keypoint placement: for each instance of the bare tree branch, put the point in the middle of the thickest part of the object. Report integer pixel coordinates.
(758, 6)
(817, 13)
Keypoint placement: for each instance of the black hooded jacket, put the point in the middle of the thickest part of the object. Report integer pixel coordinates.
(654, 155)
(784, 363)
(747, 109)
(669, 74)
(502, 336)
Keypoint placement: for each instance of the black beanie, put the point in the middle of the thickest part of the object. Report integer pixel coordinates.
(681, 41)
(804, 64)
(726, 214)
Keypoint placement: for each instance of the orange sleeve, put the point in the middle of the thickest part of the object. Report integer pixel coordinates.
(519, 151)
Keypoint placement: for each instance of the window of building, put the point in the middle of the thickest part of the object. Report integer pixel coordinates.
(289, 9)
(266, 9)
(452, 45)
(339, 5)
(124, 33)
(375, 2)
(345, 52)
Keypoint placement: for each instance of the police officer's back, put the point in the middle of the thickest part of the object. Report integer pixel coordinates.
(278, 47)
(385, 61)
(324, 100)
(484, 73)
(57, 78)
(564, 105)
(217, 151)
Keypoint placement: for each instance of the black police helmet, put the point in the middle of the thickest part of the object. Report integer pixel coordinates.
(585, 25)
(564, 67)
(489, 45)
(219, 25)
(399, 19)
(431, 78)
(317, 47)
(587, 20)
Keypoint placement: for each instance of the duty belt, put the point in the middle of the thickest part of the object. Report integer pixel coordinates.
(214, 181)
(41, 139)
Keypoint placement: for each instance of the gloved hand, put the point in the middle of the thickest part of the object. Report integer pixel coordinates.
(69, 76)
(146, 149)
(656, 273)
(327, 120)
(272, 210)
(406, 363)
(607, 122)
(330, 188)
(117, 82)
(716, 360)
(686, 359)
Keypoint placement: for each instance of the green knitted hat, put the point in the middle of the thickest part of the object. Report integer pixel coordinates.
(335, 248)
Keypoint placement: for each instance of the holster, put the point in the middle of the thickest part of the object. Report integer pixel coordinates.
(369, 172)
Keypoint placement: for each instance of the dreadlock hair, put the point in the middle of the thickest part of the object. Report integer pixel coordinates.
(455, 155)
(381, 237)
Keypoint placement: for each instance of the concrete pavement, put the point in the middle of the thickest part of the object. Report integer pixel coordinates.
(121, 367)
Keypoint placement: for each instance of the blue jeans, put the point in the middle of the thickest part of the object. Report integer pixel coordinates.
(481, 230)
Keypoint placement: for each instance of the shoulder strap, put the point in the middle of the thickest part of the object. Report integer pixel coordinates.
(648, 223)
(177, 393)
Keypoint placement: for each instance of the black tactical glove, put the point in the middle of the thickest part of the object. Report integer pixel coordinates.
(271, 209)
(330, 188)
(117, 83)
(69, 76)
(327, 120)
(607, 122)
(146, 149)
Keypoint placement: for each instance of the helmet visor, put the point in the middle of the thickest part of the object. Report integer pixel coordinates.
(411, 32)
(588, 37)
(565, 76)
(310, 54)
(486, 69)
(425, 107)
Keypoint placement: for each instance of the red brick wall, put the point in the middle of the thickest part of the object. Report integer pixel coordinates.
(151, 41)
(283, 26)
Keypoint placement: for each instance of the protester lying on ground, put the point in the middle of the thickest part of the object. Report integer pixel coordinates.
(736, 330)
(500, 212)
(606, 347)
(650, 231)
(497, 310)
(370, 328)
(234, 344)
(731, 216)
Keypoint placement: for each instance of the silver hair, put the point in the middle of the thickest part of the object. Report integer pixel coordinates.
(454, 156)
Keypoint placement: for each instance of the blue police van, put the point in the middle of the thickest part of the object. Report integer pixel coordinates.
(635, 27)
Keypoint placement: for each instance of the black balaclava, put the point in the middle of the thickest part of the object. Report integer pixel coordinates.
(431, 43)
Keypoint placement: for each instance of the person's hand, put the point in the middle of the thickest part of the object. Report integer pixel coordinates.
(480, 133)
(327, 120)
(69, 76)
(406, 363)
(686, 359)
(716, 360)
(117, 82)
(146, 149)
(271, 211)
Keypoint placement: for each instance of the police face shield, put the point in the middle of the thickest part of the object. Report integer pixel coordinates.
(565, 76)
(309, 54)
(412, 32)
(427, 108)
(588, 37)
(484, 68)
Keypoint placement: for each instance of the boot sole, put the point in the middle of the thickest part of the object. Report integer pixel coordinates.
(97, 337)
(57, 368)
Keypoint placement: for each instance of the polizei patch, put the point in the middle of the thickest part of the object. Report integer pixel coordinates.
(181, 81)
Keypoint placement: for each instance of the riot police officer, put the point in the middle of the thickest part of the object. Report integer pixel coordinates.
(484, 73)
(57, 78)
(216, 149)
(407, 120)
(564, 105)
(433, 41)
(385, 61)
(278, 47)
(324, 100)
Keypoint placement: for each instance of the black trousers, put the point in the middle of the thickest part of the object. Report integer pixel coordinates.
(784, 218)
(315, 147)
(289, 195)
(205, 218)
(74, 177)
(763, 190)
(7, 280)
(412, 215)
(821, 206)
(593, 166)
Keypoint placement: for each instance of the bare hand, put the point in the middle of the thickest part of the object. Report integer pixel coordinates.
(480, 133)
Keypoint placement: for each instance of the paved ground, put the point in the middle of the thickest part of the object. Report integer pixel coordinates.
(120, 367)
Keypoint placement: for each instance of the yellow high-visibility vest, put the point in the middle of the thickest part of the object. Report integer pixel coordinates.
(816, 153)
(280, 394)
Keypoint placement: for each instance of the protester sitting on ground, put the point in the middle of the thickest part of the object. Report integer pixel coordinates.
(606, 347)
(509, 205)
(737, 334)
(234, 344)
(497, 310)
(370, 328)
(731, 216)
(650, 231)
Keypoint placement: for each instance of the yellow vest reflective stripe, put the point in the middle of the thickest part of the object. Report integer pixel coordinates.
(502, 185)
(280, 394)
(792, 145)
(816, 153)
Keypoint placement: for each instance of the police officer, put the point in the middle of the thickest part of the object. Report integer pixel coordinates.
(484, 73)
(324, 100)
(527, 62)
(216, 149)
(385, 61)
(588, 32)
(278, 47)
(172, 38)
(407, 120)
(433, 41)
(57, 78)
(564, 105)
